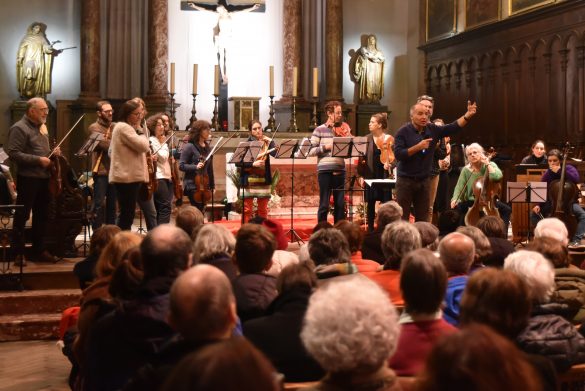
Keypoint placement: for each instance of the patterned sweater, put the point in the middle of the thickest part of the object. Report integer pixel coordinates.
(323, 135)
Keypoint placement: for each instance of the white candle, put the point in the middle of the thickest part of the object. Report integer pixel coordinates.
(271, 69)
(195, 66)
(315, 82)
(216, 81)
(295, 77)
(172, 78)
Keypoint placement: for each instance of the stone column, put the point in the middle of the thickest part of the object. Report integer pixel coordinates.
(90, 50)
(292, 45)
(158, 54)
(334, 49)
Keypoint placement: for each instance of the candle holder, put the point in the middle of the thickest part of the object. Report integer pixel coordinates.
(214, 120)
(193, 110)
(293, 116)
(271, 122)
(173, 108)
(314, 117)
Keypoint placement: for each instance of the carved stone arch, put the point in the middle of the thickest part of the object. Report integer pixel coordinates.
(458, 72)
(551, 42)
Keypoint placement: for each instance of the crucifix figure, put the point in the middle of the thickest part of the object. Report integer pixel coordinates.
(222, 32)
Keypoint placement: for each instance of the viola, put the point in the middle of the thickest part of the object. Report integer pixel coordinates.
(563, 194)
(385, 144)
(202, 193)
(485, 192)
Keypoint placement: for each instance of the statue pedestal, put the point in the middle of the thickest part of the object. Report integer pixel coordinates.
(363, 113)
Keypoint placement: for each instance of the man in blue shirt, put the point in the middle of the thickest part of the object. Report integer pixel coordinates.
(414, 145)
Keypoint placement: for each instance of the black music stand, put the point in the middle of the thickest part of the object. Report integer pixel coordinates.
(348, 148)
(246, 152)
(293, 149)
(523, 192)
(379, 184)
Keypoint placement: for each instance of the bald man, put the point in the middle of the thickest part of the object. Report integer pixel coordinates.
(203, 311)
(28, 148)
(414, 147)
(457, 251)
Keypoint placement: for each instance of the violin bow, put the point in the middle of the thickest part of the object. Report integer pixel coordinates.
(67, 135)
(164, 142)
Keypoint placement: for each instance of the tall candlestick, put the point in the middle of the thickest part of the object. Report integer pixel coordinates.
(195, 66)
(271, 68)
(216, 81)
(172, 78)
(315, 82)
(295, 77)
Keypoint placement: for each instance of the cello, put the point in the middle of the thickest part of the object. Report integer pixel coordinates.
(485, 192)
(562, 195)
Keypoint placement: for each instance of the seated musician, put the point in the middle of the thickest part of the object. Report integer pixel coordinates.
(555, 157)
(256, 177)
(377, 163)
(463, 196)
(537, 155)
(198, 172)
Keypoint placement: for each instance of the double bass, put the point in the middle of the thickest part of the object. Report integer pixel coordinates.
(563, 194)
(486, 193)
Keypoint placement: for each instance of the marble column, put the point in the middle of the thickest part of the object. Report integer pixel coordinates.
(292, 45)
(334, 49)
(90, 50)
(158, 54)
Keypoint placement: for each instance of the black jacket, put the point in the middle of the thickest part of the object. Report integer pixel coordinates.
(254, 292)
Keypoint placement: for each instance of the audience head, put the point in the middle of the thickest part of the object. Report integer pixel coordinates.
(388, 212)
(114, 251)
(552, 249)
(423, 282)
(398, 239)
(297, 275)
(188, 218)
(476, 358)
(336, 312)
(329, 246)
(429, 234)
(536, 271)
(322, 225)
(483, 248)
(496, 298)
(101, 237)
(128, 275)
(492, 227)
(457, 253)
(275, 228)
(212, 240)
(353, 233)
(255, 246)
(448, 221)
(202, 304)
(166, 251)
(230, 365)
(551, 227)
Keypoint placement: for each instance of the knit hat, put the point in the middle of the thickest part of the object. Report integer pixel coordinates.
(278, 231)
(428, 232)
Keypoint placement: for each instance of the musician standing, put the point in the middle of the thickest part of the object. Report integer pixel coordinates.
(256, 177)
(28, 148)
(193, 162)
(163, 196)
(104, 193)
(128, 171)
(372, 167)
(331, 170)
(414, 145)
(463, 197)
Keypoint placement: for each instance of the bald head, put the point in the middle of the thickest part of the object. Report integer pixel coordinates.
(457, 252)
(202, 304)
(166, 251)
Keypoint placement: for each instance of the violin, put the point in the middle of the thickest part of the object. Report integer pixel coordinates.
(563, 194)
(98, 161)
(177, 186)
(485, 192)
(202, 192)
(385, 144)
(149, 187)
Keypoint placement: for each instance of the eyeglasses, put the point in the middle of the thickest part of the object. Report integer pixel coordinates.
(43, 109)
(107, 111)
(425, 97)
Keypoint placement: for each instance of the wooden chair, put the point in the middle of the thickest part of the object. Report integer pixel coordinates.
(573, 379)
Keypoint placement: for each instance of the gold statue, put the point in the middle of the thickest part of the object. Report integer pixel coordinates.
(369, 72)
(34, 62)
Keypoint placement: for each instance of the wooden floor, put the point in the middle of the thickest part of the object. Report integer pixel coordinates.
(32, 366)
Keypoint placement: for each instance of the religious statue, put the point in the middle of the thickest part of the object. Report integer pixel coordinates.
(369, 72)
(34, 62)
(222, 32)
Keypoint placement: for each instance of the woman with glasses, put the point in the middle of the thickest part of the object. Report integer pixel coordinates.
(128, 161)
(163, 196)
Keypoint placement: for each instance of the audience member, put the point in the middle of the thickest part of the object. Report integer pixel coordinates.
(388, 212)
(448, 222)
(304, 248)
(254, 289)
(281, 258)
(202, 312)
(355, 236)
(85, 270)
(495, 229)
(351, 329)
(551, 227)
(329, 250)
(278, 333)
(429, 234)
(457, 252)
(483, 248)
(399, 238)
(423, 281)
(189, 218)
(215, 246)
(547, 333)
(478, 359)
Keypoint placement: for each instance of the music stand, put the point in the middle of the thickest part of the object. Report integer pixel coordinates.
(246, 152)
(379, 184)
(293, 149)
(348, 148)
(523, 192)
